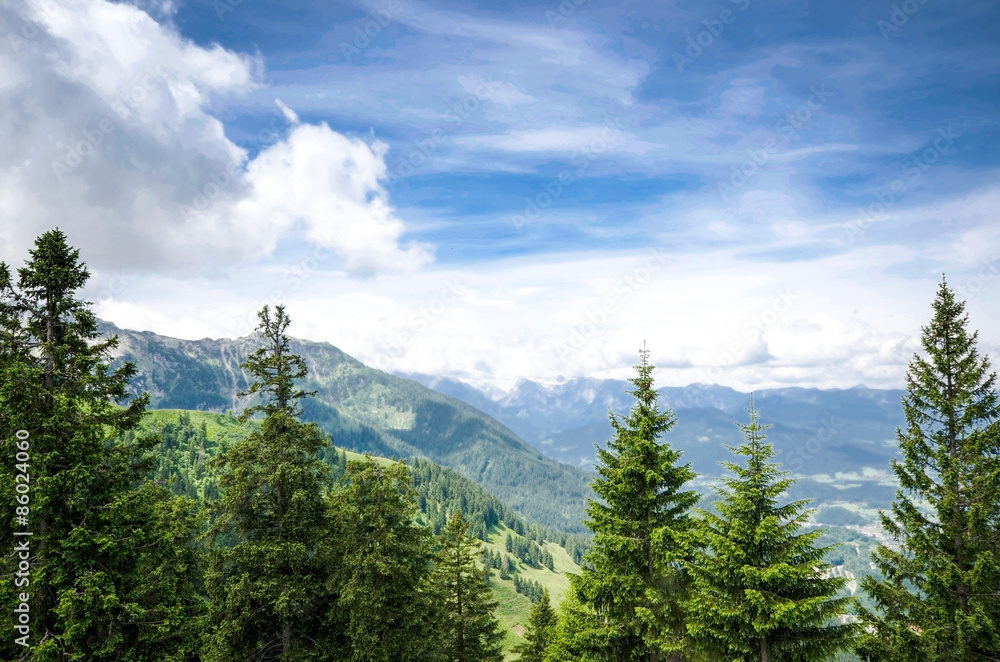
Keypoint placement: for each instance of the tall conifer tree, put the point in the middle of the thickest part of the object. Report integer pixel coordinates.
(632, 576)
(269, 542)
(539, 633)
(383, 607)
(759, 590)
(113, 569)
(580, 635)
(469, 630)
(941, 594)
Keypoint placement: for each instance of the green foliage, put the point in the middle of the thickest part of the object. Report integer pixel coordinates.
(538, 634)
(468, 630)
(367, 410)
(383, 606)
(442, 491)
(532, 589)
(268, 539)
(529, 552)
(581, 635)
(189, 442)
(758, 588)
(940, 596)
(642, 532)
(112, 572)
(190, 439)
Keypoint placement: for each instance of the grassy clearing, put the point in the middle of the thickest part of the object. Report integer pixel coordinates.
(218, 426)
(512, 613)
(514, 607)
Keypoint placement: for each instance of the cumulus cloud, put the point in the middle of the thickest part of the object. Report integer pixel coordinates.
(111, 137)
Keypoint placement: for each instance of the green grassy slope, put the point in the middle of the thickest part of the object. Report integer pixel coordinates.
(514, 607)
(370, 411)
(192, 438)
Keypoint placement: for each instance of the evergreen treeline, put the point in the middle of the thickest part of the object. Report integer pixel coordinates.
(185, 449)
(665, 581)
(533, 590)
(263, 542)
(528, 551)
(284, 563)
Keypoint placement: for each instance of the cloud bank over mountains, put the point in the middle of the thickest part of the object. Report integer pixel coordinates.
(499, 194)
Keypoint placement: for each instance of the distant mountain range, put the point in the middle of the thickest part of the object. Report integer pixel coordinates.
(565, 420)
(367, 410)
(839, 440)
(533, 446)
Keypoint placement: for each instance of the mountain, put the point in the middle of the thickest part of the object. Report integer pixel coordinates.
(369, 411)
(518, 444)
(565, 420)
(839, 441)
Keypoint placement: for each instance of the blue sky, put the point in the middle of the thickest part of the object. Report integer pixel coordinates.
(766, 192)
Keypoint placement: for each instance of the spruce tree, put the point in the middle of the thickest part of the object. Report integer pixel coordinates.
(632, 577)
(113, 569)
(383, 607)
(940, 597)
(469, 630)
(538, 635)
(580, 634)
(268, 537)
(759, 590)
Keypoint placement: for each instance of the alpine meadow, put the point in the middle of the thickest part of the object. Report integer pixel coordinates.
(481, 331)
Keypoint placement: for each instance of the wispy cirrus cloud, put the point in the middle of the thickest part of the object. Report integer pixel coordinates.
(797, 148)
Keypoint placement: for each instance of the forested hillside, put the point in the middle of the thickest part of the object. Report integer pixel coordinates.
(190, 535)
(190, 439)
(366, 410)
(524, 558)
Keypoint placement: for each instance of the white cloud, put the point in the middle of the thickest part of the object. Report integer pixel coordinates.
(111, 138)
(328, 183)
(289, 114)
(707, 316)
(501, 92)
(596, 139)
(163, 188)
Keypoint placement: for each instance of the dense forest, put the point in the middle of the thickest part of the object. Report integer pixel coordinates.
(367, 411)
(136, 535)
(186, 449)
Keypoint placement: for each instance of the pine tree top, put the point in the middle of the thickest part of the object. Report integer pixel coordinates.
(943, 579)
(45, 297)
(645, 418)
(44, 323)
(759, 479)
(54, 267)
(275, 368)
